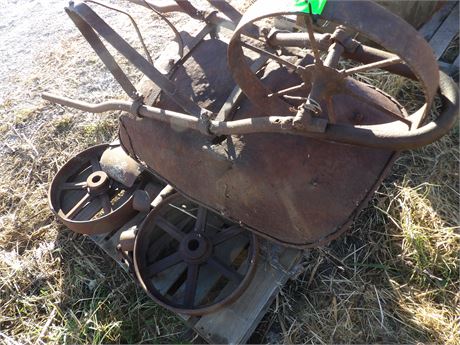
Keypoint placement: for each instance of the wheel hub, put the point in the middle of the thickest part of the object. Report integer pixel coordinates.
(195, 248)
(98, 183)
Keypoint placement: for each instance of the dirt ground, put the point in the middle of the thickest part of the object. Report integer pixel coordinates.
(393, 278)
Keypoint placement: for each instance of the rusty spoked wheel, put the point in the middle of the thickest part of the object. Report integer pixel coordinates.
(325, 88)
(86, 199)
(191, 260)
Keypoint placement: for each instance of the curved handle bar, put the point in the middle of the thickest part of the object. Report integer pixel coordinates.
(164, 6)
(388, 136)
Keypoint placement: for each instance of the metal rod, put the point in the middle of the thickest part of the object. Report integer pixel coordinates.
(136, 27)
(180, 41)
(389, 136)
(362, 53)
(123, 47)
(171, 117)
(333, 56)
(270, 55)
(163, 6)
(311, 36)
(378, 64)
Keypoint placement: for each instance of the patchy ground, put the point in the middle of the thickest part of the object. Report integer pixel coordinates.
(394, 278)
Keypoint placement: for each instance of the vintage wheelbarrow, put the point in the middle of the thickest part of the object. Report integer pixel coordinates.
(255, 127)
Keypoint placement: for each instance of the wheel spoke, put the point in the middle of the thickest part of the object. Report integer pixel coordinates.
(311, 35)
(227, 234)
(163, 264)
(95, 164)
(378, 107)
(183, 223)
(106, 205)
(331, 111)
(78, 206)
(200, 223)
(192, 216)
(295, 98)
(170, 229)
(225, 270)
(191, 285)
(73, 185)
(379, 64)
(288, 90)
(272, 56)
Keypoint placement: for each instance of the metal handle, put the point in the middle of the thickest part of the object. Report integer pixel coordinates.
(388, 136)
(163, 6)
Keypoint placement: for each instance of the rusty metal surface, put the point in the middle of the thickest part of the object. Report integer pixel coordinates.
(392, 136)
(287, 188)
(180, 238)
(119, 166)
(204, 76)
(383, 27)
(297, 191)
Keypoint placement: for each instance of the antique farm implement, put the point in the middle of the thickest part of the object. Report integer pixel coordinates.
(246, 129)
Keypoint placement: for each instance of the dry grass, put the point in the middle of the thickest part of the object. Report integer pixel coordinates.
(393, 278)
(396, 277)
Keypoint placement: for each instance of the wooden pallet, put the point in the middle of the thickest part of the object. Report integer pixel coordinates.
(440, 31)
(234, 323)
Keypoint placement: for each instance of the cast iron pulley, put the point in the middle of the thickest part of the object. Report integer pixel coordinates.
(86, 199)
(192, 260)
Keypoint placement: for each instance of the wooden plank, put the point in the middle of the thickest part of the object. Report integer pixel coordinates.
(243, 315)
(446, 32)
(235, 323)
(429, 29)
(165, 280)
(454, 67)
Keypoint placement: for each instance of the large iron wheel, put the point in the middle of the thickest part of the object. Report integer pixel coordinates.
(190, 259)
(322, 80)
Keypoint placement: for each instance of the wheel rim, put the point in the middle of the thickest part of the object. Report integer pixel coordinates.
(190, 260)
(406, 44)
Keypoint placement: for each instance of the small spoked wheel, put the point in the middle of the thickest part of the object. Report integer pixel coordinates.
(190, 259)
(86, 199)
